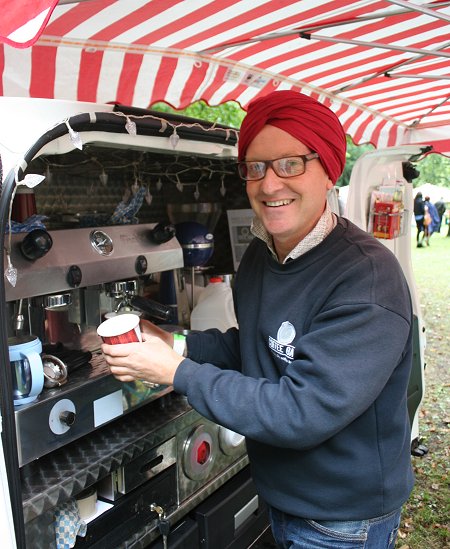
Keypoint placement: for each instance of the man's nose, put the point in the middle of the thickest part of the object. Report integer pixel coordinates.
(271, 181)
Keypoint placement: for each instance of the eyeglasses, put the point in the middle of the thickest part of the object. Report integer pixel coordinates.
(283, 167)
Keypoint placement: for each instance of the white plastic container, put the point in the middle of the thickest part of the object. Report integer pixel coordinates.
(214, 308)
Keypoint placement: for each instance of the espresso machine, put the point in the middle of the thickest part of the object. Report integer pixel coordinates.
(62, 294)
(163, 450)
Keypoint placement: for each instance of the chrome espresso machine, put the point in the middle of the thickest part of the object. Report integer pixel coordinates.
(68, 281)
(152, 464)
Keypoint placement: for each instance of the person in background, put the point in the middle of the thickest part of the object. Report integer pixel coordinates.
(316, 375)
(431, 220)
(440, 208)
(419, 215)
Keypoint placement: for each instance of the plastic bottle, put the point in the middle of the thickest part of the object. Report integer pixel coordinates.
(214, 308)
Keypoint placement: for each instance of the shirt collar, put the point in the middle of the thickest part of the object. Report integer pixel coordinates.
(322, 229)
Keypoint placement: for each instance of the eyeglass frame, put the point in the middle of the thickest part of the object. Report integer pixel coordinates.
(269, 163)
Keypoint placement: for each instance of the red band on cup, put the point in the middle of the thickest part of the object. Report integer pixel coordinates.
(129, 337)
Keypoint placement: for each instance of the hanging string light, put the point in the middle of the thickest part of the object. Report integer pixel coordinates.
(148, 196)
(174, 138)
(179, 185)
(74, 136)
(163, 126)
(48, 174)
(130, 126)
(136, 183)
(30, 180)
(103, 178)
(177, 168)
(223, 189)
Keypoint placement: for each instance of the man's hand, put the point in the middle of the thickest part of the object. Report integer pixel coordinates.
(152, 360)
(148, 328)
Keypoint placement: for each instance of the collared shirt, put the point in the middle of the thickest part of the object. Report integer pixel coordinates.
(323, 228)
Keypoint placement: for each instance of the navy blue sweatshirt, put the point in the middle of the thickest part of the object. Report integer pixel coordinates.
(316, 376)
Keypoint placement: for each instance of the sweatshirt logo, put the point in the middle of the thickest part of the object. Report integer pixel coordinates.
(281, 345)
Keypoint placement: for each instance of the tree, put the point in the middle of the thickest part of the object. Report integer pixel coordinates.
(434, 168)
(228, 114)
(352, 155)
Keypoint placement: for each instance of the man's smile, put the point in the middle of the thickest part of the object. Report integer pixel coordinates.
(276, 203)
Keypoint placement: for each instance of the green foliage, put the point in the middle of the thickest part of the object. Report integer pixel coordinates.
(435, 169)
(353, 153)
(229, 114)
(425, 514)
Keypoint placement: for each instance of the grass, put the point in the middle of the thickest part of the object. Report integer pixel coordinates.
(425, 523)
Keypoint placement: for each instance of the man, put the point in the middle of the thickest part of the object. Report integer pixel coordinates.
(431, 219)
(419, 216)
(316, 375)
(440, 208)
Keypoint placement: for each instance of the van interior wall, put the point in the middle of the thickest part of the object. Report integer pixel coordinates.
(74, 195)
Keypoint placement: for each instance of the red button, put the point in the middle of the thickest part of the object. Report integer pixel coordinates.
(203, 452)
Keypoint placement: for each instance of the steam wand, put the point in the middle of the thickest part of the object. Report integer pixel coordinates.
(19, 319)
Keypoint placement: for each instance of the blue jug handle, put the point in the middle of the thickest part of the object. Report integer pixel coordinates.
(37, 374)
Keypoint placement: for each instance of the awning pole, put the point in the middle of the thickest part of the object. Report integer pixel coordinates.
(321, 38)
(379, 73)
(421, 9)
(312, 28)
(405, 75)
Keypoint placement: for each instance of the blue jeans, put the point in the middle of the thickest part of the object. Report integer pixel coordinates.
(296, 533)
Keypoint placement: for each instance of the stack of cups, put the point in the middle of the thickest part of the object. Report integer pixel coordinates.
(24, 204)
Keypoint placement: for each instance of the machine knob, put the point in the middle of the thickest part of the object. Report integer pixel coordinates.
(141, 264)
(162, 232)
(74, 276)
(62, 416)
(67, 418)
(230, 441)
(36, 244)
(199, 453)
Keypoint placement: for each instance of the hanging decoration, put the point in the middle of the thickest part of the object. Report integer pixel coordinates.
(30, 180)
(74, 136)
(130, 126)
(103, 178)
(223, 190)
(174, 138)
(148, 196)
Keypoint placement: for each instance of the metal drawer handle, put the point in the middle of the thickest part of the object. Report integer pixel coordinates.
(151, 464)
(244, 514)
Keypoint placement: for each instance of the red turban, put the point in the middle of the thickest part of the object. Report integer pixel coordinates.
(309, 121)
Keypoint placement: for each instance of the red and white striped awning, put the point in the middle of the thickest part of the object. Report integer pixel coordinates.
(382, 66)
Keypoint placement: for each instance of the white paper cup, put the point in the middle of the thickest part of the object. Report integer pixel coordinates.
(111, 314)
(87, 502)
(120, 329)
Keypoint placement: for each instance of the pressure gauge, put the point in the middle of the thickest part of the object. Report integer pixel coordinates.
(101, 242)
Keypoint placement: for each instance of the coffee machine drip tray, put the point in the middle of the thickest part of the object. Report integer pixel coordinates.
(90, 399)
